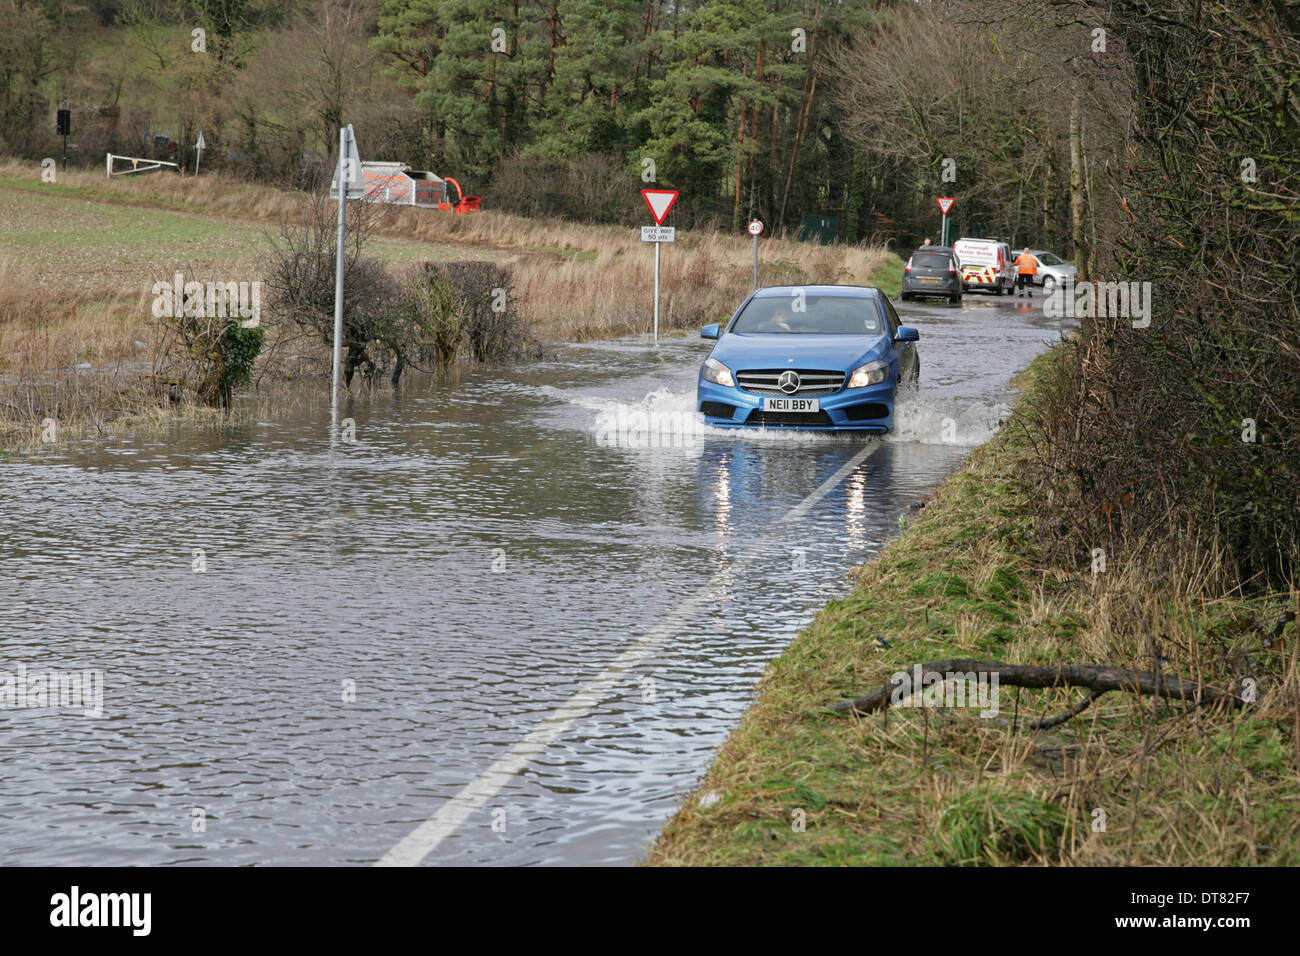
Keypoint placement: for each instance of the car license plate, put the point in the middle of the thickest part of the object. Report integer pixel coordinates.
(791, 405)
(930, 281)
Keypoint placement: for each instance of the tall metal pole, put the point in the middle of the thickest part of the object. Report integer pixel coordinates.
(338, 290)
(756, 262)
(943, 232)
(657, 245)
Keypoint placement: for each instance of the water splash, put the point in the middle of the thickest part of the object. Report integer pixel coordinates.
(932, 420)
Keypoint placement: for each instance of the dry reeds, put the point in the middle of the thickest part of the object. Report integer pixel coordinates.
(67, 357)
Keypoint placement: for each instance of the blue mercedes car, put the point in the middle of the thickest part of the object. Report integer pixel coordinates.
(823, 357)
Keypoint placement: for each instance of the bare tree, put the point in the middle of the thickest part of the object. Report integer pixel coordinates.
(984, 91)
(319, 68)
(302, 278)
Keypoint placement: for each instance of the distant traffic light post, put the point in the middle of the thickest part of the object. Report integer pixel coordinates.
(63, 127)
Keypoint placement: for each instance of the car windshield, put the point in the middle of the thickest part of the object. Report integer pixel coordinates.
(810, 315)
(930, 260)
(1047, 259)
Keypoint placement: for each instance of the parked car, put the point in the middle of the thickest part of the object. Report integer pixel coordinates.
(162, 143)
(823, 357)
(1052, 269)
(932, 271)
(986, 265)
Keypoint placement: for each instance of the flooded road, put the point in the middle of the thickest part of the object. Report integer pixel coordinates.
(316, 656)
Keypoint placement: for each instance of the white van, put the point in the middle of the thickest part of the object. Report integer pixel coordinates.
(986, 265)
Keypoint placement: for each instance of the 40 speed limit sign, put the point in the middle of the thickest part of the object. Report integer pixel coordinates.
(755, 230)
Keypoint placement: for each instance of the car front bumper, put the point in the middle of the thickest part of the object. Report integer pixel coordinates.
(869, 409)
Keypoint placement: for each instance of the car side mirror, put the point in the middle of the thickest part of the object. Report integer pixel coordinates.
(907, 334)
(710, 331)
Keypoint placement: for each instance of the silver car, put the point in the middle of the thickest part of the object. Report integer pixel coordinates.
(1052, 269)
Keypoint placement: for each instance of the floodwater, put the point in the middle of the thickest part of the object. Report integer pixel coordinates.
(374, 626)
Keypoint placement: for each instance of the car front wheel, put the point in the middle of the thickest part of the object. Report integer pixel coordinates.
(1049, 285)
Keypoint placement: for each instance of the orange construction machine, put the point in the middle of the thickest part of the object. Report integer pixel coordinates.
(464, 204)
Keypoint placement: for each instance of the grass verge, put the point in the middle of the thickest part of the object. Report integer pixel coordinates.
(1129, 781)
(888, 275)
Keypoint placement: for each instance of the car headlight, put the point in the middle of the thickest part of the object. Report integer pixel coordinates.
(717, 373)
(873, 373)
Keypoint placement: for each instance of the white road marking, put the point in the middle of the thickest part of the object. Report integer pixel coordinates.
(425, 838)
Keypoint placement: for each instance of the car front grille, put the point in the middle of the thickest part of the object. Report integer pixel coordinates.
(816, 419)
(762, 381)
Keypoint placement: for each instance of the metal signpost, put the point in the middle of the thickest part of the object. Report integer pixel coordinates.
(350, 185)
(199, 147)
(755, 230)
(659, 201)
(945, 203)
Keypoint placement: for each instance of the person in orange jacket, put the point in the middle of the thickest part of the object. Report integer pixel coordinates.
(1026, 269)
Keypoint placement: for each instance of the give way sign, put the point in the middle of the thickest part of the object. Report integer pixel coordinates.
(945, 204)
(659, 201)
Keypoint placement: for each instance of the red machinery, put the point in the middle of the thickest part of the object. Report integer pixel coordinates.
(464, 204)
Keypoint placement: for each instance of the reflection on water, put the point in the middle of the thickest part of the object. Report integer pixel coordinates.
(372, 626)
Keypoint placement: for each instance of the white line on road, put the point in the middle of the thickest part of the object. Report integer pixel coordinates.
(425, 838)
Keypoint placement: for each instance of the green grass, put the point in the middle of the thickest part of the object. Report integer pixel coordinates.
(991, 825)
(888, 276)
(582, 255)
(68, 221)
(104, 234)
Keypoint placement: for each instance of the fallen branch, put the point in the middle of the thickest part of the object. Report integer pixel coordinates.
(1098, 678)
(1062, 717)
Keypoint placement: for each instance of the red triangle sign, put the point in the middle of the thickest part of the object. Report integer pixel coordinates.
(945, 205)
(659, 201)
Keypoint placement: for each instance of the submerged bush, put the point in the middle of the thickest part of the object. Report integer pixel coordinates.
(219, 354)
(466, 304)
(424, 316)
